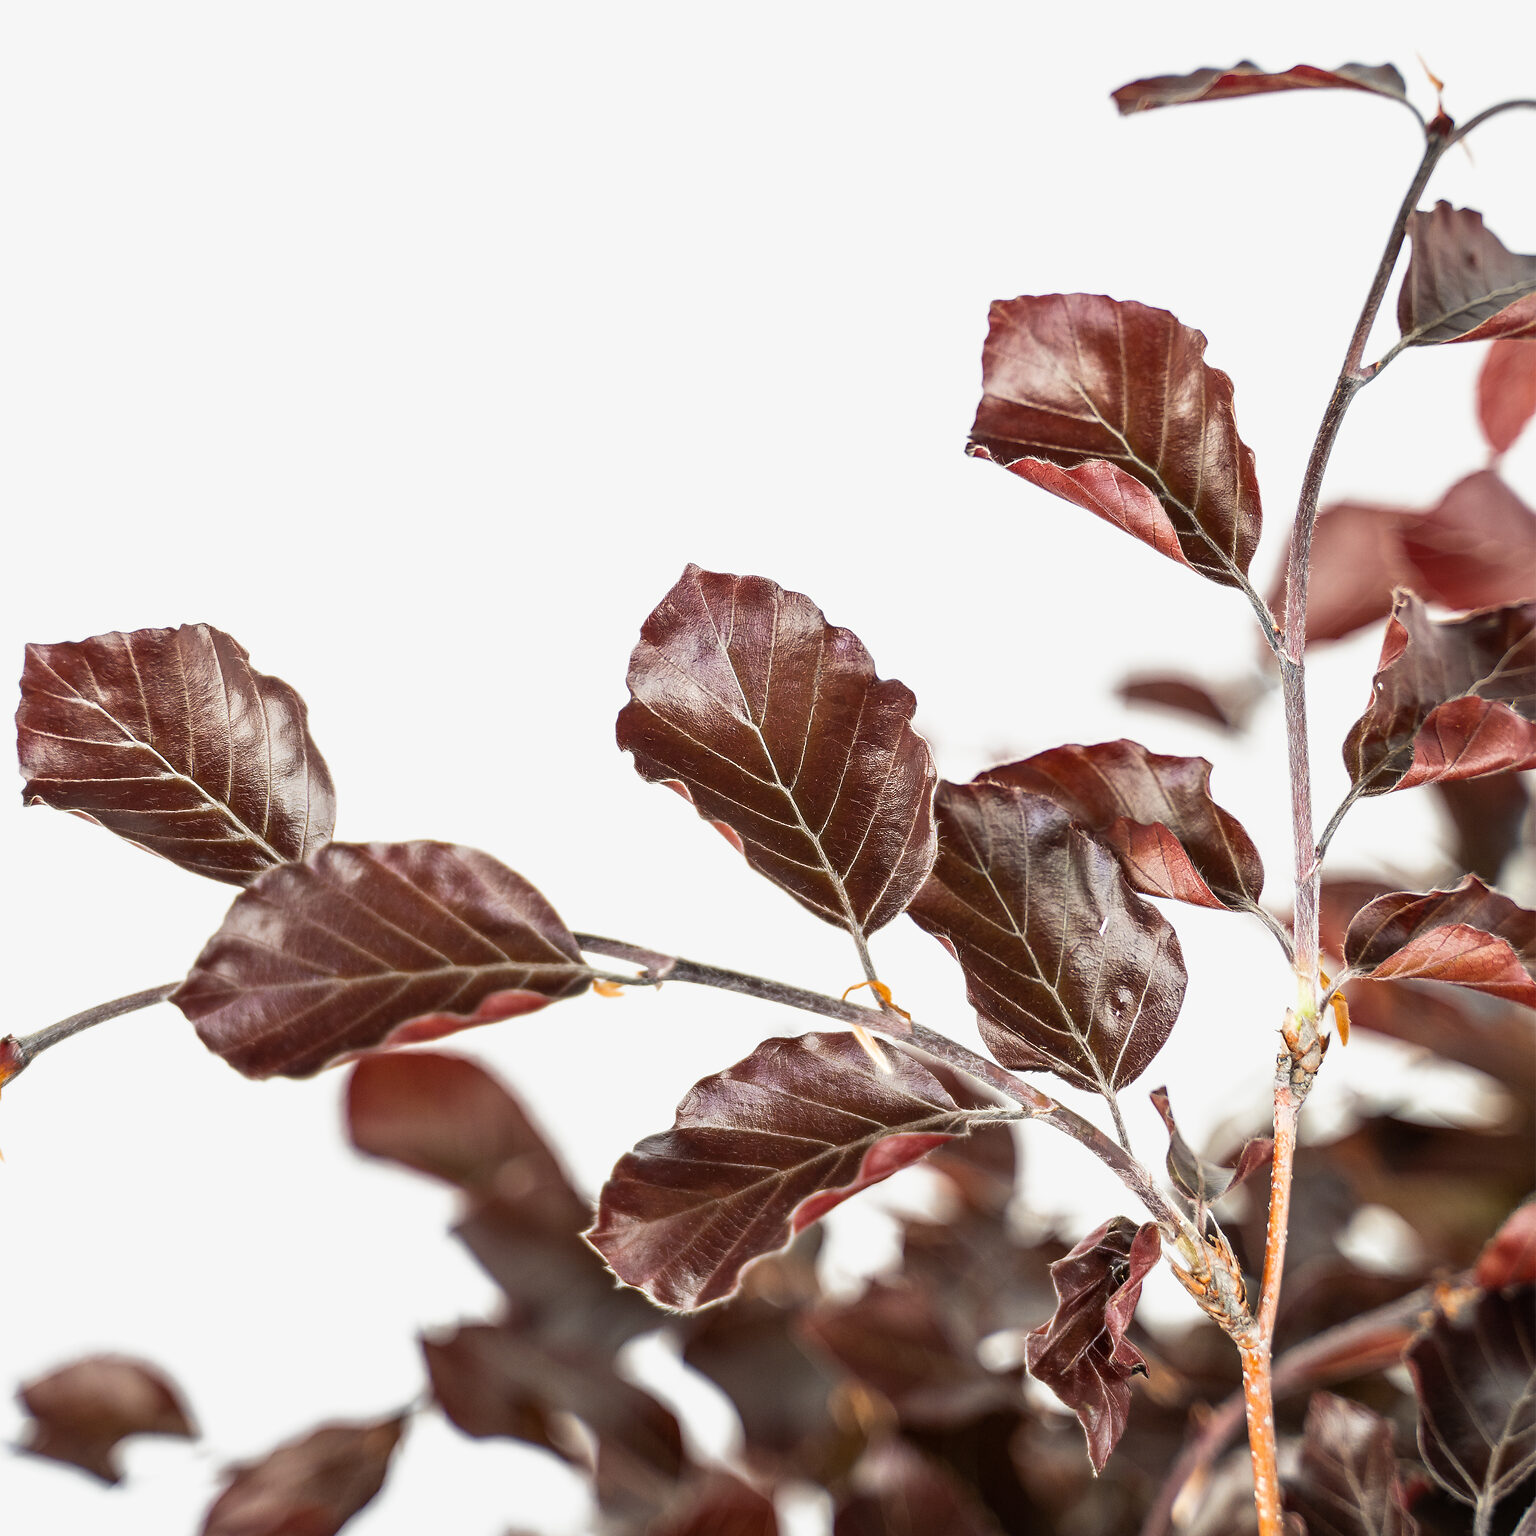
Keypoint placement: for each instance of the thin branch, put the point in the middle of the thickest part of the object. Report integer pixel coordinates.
(1275, 926)
(1483, 116)
(26, 1049)
(1334, 823)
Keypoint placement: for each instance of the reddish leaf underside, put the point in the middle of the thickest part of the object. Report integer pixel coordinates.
(1470, 935)
(759, 1151)
(1082, 1353)
(1461, 283)
(1068, 970)
(1155, 812)
(1346, 1483)
(80, 1412)
(1506, 392)
(364, 945)
(773, 723)
(1112, 406)
(1247, 79)
(312, 1486)
(171, 739)
(1450, 700)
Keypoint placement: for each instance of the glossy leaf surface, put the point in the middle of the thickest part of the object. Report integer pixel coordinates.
(1471, 935)
(171, 739)
(1506, 392)
(370, 944)
(1069, 971)
(313, 1485)
(1082, 1353)
(82, 1411)
(758, 1152)
(773, 723)
(1461, 283)
(1450, 700)
(1156, 812)
(1247, 79)
(1475, 1376)
(1192, 1174)
(1347, 1483)
(1113, 407)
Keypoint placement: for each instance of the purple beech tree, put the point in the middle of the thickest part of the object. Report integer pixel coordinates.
(776, 727)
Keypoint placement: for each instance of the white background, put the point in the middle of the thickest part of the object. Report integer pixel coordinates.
(419, 347)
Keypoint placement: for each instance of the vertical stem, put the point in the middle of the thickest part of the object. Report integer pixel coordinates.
(1259, 1404)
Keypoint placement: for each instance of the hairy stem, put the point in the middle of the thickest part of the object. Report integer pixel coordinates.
(27, 1048)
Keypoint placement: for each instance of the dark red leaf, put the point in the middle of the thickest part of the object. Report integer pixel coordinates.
(1068, 970)
(1506, 392)
(1112, 406)
(81, 1411)
(1346, 1483)
(1082, 1353)
(1247, 79)
(1476, 549)
(773, 723)
(717, 1505)
(310, 1487)
(374, 944)
(445, 1116)
(1184, 696)
(1201, 1180)
(1461, 283)
(760, 1151)
(1475, 1376)
(1450, 700)
(1357, 563)
(1510, 1257)
(1339, 900)
(1471, 935)
(1487, 817)
(1155, 812)
(900, 1492)
(171, 739)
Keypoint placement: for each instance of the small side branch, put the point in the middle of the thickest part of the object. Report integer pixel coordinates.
(27, 1048)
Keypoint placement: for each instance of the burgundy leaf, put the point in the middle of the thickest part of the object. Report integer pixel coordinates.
(1247, 79)
(1487, 821)
(1477, 548)
(81, 1411)
(1082, 1353)
(1506, 392)
(1112, 406)
(1475, 1376)
(900, 1492)
(773, 723)
(760, 1151)
(1357, 562)
(371, 944)
(717, 1505)
(1203, 1181)
(1347, 1483)
(1155, 812)
(1450, 700)
(1510, 1255)
(447, 1117)
(171, 739)
(1068, 970)
(1184, 696)
(1470, 935)
(1338, 901)
(1461, 283)
(309, 1487)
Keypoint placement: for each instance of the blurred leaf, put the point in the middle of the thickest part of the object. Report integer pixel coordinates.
(1346, 1483)
(1461, 283)
(1155, 812)
(716, 1504)
(1112, 406)
(1203, 1181)
(1487, 817)
(1450, 700)
(81, 1411)
(1510, 1257)
(1475, 1376)
(1506, 392)
(1357, 562)
(1476, 548)
(760, 1151)
(365, 945)
(773, 724)
(1185, 696)
(1082, 1353)
(310, 1487)
(1068, 970)
(1247, 79)
(900, 1492)
(171, 739)
(1471, 935)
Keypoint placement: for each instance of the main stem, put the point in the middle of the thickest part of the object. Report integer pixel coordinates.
(1299, 1061)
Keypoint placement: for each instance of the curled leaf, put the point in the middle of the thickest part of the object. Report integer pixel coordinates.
(1068, 970)
(171, 739)
(371, 944)
(773, 724)
(1082, 1353)
(1461, 283)
(1192, 1175)
(1470, 935)
(1247, 79)
(760, 1151)
(1112, 406)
